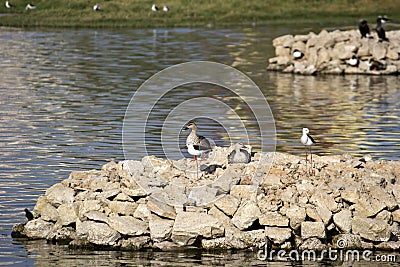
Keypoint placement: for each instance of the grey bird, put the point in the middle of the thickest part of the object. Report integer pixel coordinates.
(239, 155)
(199, 142)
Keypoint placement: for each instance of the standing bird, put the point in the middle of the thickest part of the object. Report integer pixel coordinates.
(239, 155)
(364, 29)
(96, 7)
(29, 6)
(165, 9)
(307, 140)
(28, 214)
(197, 140)
(8, 5)
(380, 21)
(154, 7)
(195, 151)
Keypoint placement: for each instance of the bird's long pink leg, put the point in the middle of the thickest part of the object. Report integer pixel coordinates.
(311, 161)
(197, 169)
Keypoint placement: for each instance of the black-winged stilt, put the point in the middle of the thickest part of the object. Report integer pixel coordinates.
(307, 140)
(96, 7)
(29, 6)
(380, 21)
(364, 29)
(165, 8)
(239, 155)
(195, 151)
(154, 7)
(8, 5)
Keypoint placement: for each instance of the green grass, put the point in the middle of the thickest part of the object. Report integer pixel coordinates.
(138, 14)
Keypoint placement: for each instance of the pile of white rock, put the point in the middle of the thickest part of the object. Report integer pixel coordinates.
(346, 198)
(331, 52)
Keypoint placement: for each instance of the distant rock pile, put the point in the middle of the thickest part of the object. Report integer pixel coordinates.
(331, 52)
(350, 199)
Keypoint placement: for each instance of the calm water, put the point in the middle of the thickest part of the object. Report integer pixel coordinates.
(63, 100)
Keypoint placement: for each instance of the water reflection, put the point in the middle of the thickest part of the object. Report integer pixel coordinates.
(64, 95)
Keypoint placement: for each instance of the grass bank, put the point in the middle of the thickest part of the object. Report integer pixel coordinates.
(138, 14)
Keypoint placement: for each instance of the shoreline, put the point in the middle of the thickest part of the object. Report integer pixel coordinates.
(128, 14)
(351, 199)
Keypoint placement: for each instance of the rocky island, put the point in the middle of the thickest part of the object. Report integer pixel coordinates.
(337, 52)
(290, 206)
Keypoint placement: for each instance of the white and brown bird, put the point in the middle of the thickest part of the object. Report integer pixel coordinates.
(199, 142)
(307, 141)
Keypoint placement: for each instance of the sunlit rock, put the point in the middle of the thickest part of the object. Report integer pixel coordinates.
(190, 225)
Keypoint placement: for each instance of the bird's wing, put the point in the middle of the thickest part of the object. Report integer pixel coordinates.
(231, 156)
(312, 139)
(204, 144)
(247, 154)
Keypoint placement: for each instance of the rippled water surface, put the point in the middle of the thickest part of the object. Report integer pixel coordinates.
(63, 99)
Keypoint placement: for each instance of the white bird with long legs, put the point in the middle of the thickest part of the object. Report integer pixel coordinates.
(307, 140)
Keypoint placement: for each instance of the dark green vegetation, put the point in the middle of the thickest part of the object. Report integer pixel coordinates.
(137, 13)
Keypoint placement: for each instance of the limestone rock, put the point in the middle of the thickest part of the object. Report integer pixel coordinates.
(59, 194)
(160, 229)
(342, 220)
(66, 214)
(46, 211)
(228, 204)
(128, 225)
(278, 235)
(371, 229)
(246, 215)
(273, 219)
(396, 216)
(97, 233)
(161, 209)
(296, 216)
(312, 229)
(122, 207)
(142, 212)
(189, 225)
(38, 228)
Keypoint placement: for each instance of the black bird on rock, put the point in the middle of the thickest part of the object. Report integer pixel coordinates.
(364, 29)
(28, 214)
(380, 21)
